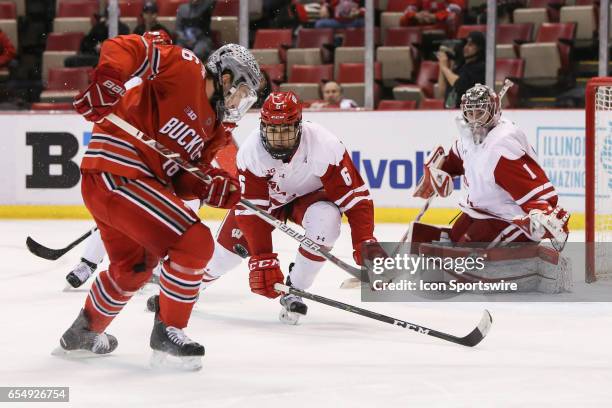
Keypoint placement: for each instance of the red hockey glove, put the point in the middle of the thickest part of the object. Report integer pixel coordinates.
(547, 222)
(223, 191)
(368, 249)
(101, 95)
(434, 181)
(264, 272)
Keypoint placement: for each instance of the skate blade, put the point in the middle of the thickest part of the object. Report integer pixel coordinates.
(350, 283)
(160, 360)
(287, 317)
(76, 354)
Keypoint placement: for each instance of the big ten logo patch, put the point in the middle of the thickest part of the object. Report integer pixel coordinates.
(52, 160)
(236, 233)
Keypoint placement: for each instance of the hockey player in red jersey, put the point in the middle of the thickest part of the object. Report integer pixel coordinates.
(508, 196)
(136, 196)
(297, 171)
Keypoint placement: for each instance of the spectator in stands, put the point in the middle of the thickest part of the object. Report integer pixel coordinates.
(341, 14)
(193, 27)
(438, 14)
(90, 44)
(333, 98)
(149, 21)
(454, 81)
(7, 50)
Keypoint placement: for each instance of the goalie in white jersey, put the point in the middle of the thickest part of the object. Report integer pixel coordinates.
(508, 196)
(298, 171)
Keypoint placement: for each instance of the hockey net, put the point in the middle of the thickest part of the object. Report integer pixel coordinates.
(598, 191)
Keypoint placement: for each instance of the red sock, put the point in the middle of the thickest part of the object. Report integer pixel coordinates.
(178, 293)
(104, 302)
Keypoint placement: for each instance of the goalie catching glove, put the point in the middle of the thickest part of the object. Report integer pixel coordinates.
(434, 181)
(546, 222)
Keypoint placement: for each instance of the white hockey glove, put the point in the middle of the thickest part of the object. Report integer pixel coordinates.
(434, 181)
(549, 223)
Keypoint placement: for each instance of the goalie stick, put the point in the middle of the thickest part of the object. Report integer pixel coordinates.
(470, 340)
(185, 165)
(53, 254)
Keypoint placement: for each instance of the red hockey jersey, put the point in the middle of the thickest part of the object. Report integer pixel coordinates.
(169, 105)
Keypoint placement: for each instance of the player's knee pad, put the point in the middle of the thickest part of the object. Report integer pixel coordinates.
(322, 222)
(193, 250)
(222, 261)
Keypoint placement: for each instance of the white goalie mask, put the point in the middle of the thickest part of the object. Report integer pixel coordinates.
(481, 110)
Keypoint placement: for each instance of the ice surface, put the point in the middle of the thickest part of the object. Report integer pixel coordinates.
(537, 354)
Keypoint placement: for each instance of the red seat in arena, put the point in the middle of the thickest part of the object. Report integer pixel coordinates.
(315, 37)
(272, 38)
(64, 41)
(464, 30)
(168, 7)
(431, 104)
(509, 33)
(403, 36)
(312, 74)
(281, 39)
(77, 8)
(68, 79)
(396, 105)
(8, 10)
(226, 8)
(561, 33)
(355, 37)
(276, 73)
(354, 72)
(400, 5)
(130, 8)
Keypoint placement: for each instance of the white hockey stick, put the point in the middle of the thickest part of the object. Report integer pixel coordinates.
(185, 165)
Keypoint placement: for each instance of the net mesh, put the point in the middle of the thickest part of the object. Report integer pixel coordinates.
(603, 182)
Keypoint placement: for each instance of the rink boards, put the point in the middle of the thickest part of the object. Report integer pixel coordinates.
(41, 153)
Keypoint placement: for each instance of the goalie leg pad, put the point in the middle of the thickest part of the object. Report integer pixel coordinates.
(425, 233)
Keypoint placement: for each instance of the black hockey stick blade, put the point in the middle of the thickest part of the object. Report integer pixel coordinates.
(51, 254)
(470, 340)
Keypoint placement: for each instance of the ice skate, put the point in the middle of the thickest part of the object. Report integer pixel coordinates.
(80, 273)
(293, 307)
(170, 341)
(78, 340)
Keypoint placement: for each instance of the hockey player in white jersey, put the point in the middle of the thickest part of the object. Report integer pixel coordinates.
(297, 171)
(508, 196)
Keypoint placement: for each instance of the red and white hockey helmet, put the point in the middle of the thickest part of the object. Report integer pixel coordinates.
(481, 109)
(281, 124)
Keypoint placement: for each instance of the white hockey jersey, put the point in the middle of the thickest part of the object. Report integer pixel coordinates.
(321, 162)
(502, 177)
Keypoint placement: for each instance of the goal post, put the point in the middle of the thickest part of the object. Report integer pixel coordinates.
(598, 187)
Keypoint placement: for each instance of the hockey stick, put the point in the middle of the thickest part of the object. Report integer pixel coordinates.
(53, 254)
(417, 219)
(472, 339)
(185, 165)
